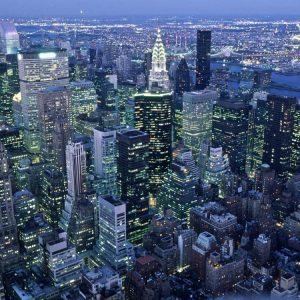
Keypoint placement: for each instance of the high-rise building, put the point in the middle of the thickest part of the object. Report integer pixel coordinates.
(178, 191)
(112, 233)
(53, 195)
(39, 68)
(9, 38)
(256, 133)
(105, 161)
(229, 131)
(76, 181)
(25, 205)
(278, 133)
(124, 67)
(262, 249)
(133, 178)
(153, 116)
(295, 163)
(216, 167)
(197, 121)
(53, 106)
(158, 77)
(83, 99)
(60, 260)
(9, 248)
(182, 80)
(203, 59)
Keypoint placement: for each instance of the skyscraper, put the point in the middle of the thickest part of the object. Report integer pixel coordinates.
(159, 78)
(133, 178)
(153, 116)
(229, 131)
(9, 38)
(112, 235)
(197, 121)
(53, 106)
(182, 80)
(105, 161)
(256, 133)
(76, 176)
(178, 191)
(295, 164)
(83, 99)
(203, 59)
(278, 133)
(39, 68)
(9, 248)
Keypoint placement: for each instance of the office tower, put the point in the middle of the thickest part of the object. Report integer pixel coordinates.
(295, 163)
(112, 233)
(61, 134)
(105, 90)
(197, 121)
(83, 99)
(9, 248)
(278, 133)
(262, 249)
(133, 178)
(216, 167)
(153, 116)
(158, 77)
(76, 169)
(125, 92)
(105, 161)
(53, 195)
(222, 273)
(229, 131)
(53, 105)
(256, 133)
(6, 112)
(177, 108)
(201, 249)
(59, 260)
(76, 181)
(147, 65)
(9, 38)
(29, 241)
(25, 205)
(9, 87)
(178, 191)
(124, 67)
(182, 80)
(203, 59)
(39, 68)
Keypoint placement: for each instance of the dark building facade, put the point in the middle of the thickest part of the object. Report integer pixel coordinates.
(153, 116)
(278, 133)
(203, 59)
(133, 178)
(229, 131)
(182, 78)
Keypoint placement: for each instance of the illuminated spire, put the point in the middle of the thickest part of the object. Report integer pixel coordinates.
(158, 74)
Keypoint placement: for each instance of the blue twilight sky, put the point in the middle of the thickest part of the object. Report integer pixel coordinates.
(35, 8)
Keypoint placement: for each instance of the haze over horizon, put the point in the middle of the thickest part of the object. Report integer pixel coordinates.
(98, 8)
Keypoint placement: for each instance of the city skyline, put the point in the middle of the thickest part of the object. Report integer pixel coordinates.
(129, 8)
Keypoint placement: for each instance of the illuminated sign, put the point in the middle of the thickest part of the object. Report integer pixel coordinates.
(47, 55)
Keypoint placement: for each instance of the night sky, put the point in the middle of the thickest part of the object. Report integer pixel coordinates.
(35, 8)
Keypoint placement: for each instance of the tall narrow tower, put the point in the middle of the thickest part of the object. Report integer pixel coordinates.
(9, 247)
(159, 78)
(203, 59)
